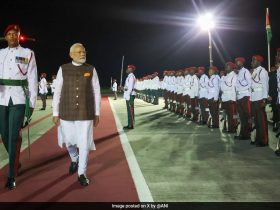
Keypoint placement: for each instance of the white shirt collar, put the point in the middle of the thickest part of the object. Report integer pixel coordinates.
(76, 64)
(232, 72)
(241, 70)
(258, 68)
(13, 48)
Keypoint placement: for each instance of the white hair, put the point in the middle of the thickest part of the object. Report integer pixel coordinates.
(74, 46)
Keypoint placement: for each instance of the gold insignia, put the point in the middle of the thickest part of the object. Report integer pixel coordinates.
(15, 27)
(87, 74)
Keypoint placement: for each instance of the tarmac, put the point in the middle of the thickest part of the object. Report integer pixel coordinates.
(182, 161)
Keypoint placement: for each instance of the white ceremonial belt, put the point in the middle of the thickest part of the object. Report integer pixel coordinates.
(256, 89)
(242, 91)
(228, 92)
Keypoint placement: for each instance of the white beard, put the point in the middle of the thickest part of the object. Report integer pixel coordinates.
(82, 61)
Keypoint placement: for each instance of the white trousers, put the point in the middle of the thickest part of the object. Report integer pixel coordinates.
(82, 156)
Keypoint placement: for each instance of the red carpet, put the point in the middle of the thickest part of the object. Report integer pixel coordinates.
(44, 178)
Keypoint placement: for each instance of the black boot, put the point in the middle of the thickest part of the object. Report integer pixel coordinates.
(275, 127)
(11, 183)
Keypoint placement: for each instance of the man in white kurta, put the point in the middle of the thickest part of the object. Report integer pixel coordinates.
(75, 128)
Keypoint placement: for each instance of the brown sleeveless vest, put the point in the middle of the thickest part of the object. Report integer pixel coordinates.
(77, 101)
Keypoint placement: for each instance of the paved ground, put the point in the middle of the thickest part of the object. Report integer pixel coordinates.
(182, 161)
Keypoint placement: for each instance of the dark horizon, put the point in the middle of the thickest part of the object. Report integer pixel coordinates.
(154, 35)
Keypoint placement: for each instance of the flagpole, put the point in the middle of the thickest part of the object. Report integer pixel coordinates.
(268, 56)
(268, 44)
(122, 71)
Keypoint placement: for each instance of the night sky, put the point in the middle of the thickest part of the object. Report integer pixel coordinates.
(155, 35)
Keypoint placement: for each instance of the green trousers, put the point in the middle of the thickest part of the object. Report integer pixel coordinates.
(130, 111)
(11, 120)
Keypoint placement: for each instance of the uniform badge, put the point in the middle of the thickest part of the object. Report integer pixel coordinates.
(87, 74)
(21, 60)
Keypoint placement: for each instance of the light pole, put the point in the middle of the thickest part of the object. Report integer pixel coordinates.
(206, 23)
(122, 71)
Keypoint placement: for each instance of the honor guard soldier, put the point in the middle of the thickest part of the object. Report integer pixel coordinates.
(165, 89)
(259, 95)
(277, 64)
(213, 96)
(148, 88)
(155, 88)
(138, 87)
(172, 90)
(194, 84)
(222, 106)
(228, 85)
(43, 90)
(142, 89)
(145, 88)
(129, 95)
(243, 94)
(175, 89)
(168, 87)
(273, 94)
(53, 84)
(203, 96)
(186, 93)
(115, 89)
(179, 99)
(18, 92)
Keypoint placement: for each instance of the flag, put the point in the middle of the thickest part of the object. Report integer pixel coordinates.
(267, 26)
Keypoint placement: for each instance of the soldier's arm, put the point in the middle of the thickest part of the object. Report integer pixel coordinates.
(265, 79)
(32, 81)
